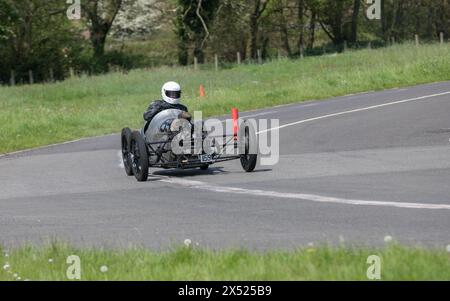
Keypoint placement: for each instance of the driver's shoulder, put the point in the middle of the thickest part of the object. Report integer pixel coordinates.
(156, 104)
(182, 107)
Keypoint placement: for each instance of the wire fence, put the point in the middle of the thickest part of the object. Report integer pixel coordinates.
(29, 77)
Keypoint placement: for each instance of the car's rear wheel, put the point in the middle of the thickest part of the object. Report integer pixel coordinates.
(139, 157)
(126, 155)
(248, 159)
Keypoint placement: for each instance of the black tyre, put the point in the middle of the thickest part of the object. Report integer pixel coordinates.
(248, 161)
(126, 155)
(139, 157)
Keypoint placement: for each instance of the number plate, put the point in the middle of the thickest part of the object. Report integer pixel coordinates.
(206, 158)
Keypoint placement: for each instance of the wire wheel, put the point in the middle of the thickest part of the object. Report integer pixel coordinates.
(139, 157)
(126, 155)
(248, 160)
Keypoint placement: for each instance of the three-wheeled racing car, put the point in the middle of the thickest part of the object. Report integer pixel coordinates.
(173, 140)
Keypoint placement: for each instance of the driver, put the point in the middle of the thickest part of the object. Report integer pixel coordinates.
(171, 94)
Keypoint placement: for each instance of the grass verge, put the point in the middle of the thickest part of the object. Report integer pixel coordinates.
(42, 114)
(321, 263)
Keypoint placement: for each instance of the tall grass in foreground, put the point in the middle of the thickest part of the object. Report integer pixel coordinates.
(321, 263)
(48, 113)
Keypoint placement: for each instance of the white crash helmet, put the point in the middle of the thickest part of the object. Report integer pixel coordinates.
(171, 93)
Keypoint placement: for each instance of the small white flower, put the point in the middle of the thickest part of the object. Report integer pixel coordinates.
(6, 255)
(187, 242)
(15, 275)
(103, 269)
(310, 245)
(50, 260)
(18, 278)
(6, 267)
(387, 239)
(448, 248)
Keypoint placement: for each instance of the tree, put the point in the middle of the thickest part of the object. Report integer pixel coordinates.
(332, 15)
(35, 35)
(403, 19)
(6, 20)
(301, 4)
(229, 33)
(355, 18)
(194, 18)
(101, 15)
(312, 24)
(280, 9)
(141, 18)
(259, 7)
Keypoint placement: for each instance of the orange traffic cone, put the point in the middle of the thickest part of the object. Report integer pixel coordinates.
(202, 91)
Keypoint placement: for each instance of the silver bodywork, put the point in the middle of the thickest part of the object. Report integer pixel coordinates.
(154, 133)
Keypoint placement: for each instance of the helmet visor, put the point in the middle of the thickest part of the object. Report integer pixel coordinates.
(173, 94)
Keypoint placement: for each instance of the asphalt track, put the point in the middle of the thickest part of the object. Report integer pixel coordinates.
(352, 170)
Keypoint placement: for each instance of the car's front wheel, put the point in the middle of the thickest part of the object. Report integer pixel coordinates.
(249, 159)
(139, 157)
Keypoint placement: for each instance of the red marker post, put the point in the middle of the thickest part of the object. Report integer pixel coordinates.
(235, 117)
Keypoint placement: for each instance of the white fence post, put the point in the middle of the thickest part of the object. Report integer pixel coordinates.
(13, 78)
(216, 62)
(52, 76)
(30, 77)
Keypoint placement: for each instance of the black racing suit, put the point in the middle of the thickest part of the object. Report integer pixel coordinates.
(159, 106)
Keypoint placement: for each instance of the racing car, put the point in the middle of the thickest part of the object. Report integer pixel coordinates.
(152, 146)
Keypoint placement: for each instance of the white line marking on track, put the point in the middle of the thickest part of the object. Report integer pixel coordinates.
(298, 196)
(259, 114)
(354, 111)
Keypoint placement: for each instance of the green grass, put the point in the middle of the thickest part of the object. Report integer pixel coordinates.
(321, 263)
(37, 115)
